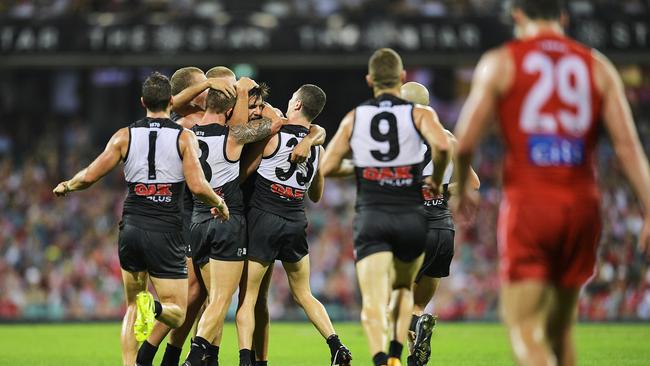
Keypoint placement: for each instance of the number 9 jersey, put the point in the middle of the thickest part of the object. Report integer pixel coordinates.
(548, 117)
(387, 153)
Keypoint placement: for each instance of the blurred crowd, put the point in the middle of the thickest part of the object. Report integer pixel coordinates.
(26, 9)
(58, 257)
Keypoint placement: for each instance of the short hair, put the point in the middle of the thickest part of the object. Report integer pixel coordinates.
(184, 78)
(540, 9)
(156, 92)
(261, 91)
(385, 68)
(219, 102)
(313, 100)
(220, 72)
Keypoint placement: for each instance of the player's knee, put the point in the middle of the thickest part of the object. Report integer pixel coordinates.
(301, 298)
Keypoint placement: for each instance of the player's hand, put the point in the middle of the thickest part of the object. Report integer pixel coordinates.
(245, 84)
(271, 112)
(433, 188)
(61, 189)
(644, 237)
(221, 211)
(301, 152)
(465, 206)
(224, 85)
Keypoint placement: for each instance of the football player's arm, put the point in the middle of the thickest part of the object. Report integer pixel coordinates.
(252, 157)
(490, 78)
(252, 131)
(474, 181)
(619, 123)
(316, 137)
(339, 147)
(318, 184)
(194, 176)
(240, 111)
(181, 103)
(102, 165)
(427, 122)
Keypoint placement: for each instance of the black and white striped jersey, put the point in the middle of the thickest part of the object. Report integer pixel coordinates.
(280, 185)
(153, 169)
(437, 207)
(221, 172)
(387, 154)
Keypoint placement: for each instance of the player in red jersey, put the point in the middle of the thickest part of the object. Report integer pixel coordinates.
(548, 92)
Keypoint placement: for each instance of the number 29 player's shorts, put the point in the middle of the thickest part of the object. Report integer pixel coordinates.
(553, 240)
(402, 233)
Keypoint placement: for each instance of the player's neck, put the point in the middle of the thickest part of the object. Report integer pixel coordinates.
(392, 91)
(541, 27)
(210, 118)
(298, 120)
(159, 114)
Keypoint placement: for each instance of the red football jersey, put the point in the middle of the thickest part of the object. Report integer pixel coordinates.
(549, 118)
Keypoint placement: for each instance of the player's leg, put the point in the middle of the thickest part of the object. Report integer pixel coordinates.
(172, 295)
(402, 306)
(134, 283)
(423, 292)
(245, 317)
(526, 307)
(560, 325)
(422, 324)
(262, 321)
(373, 273)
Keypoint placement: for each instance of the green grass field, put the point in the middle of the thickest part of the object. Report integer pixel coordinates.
(299, 344)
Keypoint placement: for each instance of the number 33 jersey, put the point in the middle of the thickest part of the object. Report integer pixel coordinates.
(387, 152)
(548, 117)
(281, 185)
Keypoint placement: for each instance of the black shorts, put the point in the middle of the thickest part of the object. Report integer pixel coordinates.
(187, 222)
(224, 241)
(438, 252)
(161, 254)
(272, 237)
(376, 231)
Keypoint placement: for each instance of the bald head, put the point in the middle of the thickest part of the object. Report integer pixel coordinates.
(385, 69)
(415, 93)
(220, 72)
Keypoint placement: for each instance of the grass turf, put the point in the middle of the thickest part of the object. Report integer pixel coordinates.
(299, 344)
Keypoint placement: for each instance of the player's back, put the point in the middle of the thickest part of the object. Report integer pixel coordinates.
(387, 154)
(549, 118)
(153, 169)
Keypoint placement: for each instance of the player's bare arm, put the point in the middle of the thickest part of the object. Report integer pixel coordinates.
(195, 178)
(474, 181)
(427, 122)
(492, 77)
(251, 160)
(338, 148)
(316, 137)
(181, 102)
(240, 112)
(619, 123)
(318, 184)
(103, 164)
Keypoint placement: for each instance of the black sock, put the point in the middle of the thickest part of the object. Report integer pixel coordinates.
(198, 351)
(213, 355)
(245, 356)
(334, 343)
(261, 363)
(395, 349)
(381, 358)
(172, 356)
(146, 354)
(253, 356)
(157, 308)
(414, 322)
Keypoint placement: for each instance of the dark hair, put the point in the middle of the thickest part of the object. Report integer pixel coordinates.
(261, 91)
(220, 72)
(184, 78)
(218, 101)
(156, 92)
(313, 100)
(540, 9)
(385, 67)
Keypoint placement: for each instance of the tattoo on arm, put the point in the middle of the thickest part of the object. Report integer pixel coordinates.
(252, 131)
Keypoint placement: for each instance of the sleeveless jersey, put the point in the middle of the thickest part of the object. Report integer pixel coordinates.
(387, 154)
(549, 118)
(436, 208)
(153, 169)
(280, 185)
(222, 173)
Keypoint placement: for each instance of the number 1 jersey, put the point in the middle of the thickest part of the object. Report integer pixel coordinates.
(387, 153)
(548, 118)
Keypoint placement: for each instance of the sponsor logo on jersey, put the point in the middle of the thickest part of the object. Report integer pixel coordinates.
(397, 177)
(551, 150)
(431, 200)
(155, 192)
(219, 192)
(288, 192)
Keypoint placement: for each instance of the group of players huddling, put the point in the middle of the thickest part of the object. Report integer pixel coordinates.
(216, 195)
